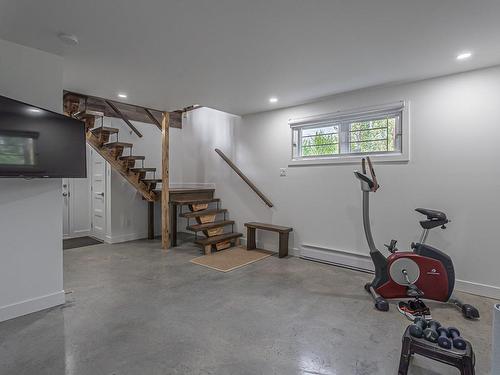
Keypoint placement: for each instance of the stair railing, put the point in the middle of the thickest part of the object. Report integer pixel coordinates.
(244, 178)
(123, 117)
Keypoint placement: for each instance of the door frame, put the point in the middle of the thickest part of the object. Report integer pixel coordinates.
(76, 213)
(106, 189)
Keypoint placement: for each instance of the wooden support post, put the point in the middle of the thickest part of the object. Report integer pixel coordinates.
(151, 220)
(165, 201)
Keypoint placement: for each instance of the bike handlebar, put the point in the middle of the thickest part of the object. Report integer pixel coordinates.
(372, 182)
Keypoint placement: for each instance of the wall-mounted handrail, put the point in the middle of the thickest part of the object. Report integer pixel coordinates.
(244, 178)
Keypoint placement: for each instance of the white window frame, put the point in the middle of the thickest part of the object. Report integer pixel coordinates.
(360, 113)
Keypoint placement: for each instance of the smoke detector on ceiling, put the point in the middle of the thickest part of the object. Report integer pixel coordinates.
(69, 39)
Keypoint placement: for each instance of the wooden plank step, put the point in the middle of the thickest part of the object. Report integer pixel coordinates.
(104, 129)
(151, 180)
(117, 144)
(202, 213)
(132, 157)
(118, 166)
(191, 190)
(216, 239)
(87, 114)
(181, 201)
(140, 170)
(215, 224)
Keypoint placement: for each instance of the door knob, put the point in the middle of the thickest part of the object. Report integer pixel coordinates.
(65, 194)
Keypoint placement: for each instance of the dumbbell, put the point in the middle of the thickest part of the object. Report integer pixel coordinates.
(458, 342)
(444, 339)
(417, 328)
(430, 333)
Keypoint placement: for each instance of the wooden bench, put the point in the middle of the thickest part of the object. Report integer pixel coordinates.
(283, 236)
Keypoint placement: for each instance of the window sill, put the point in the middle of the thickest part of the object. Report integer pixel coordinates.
(350, 159)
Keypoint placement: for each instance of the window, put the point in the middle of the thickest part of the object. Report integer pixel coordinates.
(343, 136)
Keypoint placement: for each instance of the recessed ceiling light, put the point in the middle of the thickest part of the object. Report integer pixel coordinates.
(122, 95)
(273, 99)
(464, 55)
(69, 39)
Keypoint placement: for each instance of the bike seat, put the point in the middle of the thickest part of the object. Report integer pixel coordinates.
(432, 214)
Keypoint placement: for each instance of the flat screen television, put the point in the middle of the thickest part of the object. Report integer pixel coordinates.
(35, 142)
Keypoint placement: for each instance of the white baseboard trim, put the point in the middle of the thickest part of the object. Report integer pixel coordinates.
(78, 234)
(337, 257)
(31, 305)
(125, 237)
(295, 252)
(479, 289)
(363, 262)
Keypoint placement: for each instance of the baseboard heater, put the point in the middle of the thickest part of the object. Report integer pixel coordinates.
(341, 258)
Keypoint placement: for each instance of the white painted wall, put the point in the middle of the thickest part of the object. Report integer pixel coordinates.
(453, 167)
(31, 272)
(192, 163)
(127, 210)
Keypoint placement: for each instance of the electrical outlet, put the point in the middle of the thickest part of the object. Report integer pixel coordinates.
(282, 172)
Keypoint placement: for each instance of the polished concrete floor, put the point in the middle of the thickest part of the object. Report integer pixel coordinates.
(134, 309)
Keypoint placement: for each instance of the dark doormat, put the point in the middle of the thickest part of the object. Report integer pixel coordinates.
(72, 243)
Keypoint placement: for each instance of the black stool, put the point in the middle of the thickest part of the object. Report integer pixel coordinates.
(464, 360)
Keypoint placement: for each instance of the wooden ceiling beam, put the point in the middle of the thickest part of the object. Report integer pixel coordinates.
(74, 102)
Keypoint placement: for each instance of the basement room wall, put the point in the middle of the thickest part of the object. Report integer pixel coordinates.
(194, 162)
(31, 269)
(453, 167)
(127, 210)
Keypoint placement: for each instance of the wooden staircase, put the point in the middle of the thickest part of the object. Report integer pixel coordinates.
(120, 156)
(196, 205)
(204, 217)
(105, 140)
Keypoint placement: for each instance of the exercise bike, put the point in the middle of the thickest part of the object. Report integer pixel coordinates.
(425, 272)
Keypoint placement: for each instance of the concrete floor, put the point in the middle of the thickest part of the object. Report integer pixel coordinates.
(133, 309)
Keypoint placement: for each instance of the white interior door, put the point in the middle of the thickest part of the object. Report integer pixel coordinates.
(66, 208)
(98, 191)
(76, 204)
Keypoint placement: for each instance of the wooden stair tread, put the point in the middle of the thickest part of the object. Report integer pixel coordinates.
(105, 129)
(203, 212)
(117, 144)
(191, 190)
(87, 114)
(270, 227)
(132, 157)
(194, 201)
(138, 170)
(151, 180)
(215, 224)
(216, 239)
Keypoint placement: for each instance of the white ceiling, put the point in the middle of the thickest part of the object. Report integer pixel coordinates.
(234, 54)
